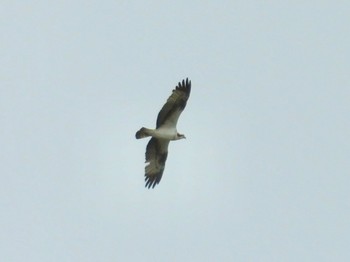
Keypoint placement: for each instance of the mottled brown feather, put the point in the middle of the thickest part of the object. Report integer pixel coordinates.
(156, 155)
(175, 104)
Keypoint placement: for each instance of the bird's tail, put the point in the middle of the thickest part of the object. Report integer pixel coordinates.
(142, 133)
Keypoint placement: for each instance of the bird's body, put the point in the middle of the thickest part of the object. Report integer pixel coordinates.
(157, 148)
(167, 133)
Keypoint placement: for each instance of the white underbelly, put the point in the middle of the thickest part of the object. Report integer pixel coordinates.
(165, 133)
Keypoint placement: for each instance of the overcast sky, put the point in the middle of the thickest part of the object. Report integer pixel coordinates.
(263, 175)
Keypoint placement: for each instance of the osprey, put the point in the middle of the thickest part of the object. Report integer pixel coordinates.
(157, 148)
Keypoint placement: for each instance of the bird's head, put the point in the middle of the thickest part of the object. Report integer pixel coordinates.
(180, 136)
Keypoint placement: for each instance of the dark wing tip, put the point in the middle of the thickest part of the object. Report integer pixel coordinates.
(184, 86)
(151, 181)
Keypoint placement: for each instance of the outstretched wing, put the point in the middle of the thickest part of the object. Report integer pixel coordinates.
(175, 104)
(156, 155)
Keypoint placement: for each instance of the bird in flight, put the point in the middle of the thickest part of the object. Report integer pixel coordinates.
(157, 147)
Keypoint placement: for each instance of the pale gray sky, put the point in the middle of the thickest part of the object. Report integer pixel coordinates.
(264, 174)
